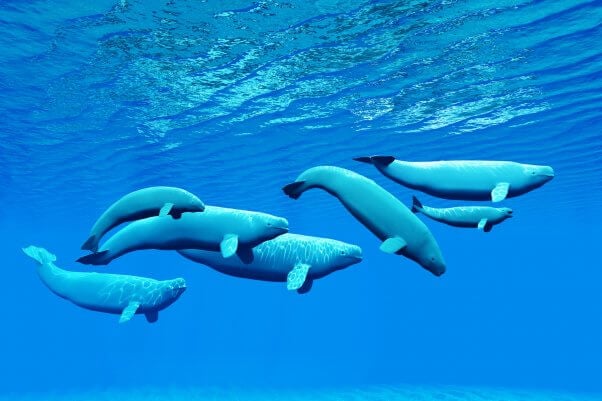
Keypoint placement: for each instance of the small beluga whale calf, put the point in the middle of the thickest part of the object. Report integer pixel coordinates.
(215, 229)
(145, 202)
(378, 210)
(110, 293)
(295, 259)
(481, 217)
(464, 179)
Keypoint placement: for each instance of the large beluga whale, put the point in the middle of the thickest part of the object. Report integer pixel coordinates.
(383, 214)
(110, 293)
(215, 229)
(295, 259)
(464, 179)
(481, 217)
(145, 202)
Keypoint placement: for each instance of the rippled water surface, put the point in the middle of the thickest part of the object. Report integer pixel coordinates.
(124, 94)
(232, 100)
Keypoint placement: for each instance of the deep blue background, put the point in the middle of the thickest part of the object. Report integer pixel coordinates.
(103, 100)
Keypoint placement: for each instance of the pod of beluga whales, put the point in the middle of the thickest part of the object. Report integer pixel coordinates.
(257, 245)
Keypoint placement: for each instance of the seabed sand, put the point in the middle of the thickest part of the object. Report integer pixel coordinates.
(380, 393)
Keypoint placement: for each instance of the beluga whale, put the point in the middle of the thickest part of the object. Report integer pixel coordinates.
(481, 217)
(110, 293)
(378, 210)
(145, 202)
(215, 229)
(476, 180)
(295, 259)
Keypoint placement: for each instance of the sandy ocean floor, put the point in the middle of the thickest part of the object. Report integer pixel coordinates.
(382, 393)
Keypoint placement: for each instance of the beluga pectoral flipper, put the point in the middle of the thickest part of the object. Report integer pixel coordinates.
(393, 245)
(464, 179)
(129, 311)
(229, 245)
(166, 209)
(482, 223)
(297, 276)
(500, 192)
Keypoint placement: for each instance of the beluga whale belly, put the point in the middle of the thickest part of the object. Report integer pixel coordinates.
(110, 293)
(481, 217)
(378, 210)
(295, 259)
(464, 179)
(140, 204)
(215, 229)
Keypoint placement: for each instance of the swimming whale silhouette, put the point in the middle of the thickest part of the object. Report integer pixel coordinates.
(215, 229)
(145, 202)
(481, 217)
(293, 258)
(378, 210)
(110, 293)
(464, 179)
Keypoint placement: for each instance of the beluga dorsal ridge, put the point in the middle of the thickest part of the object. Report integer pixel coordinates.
(400, 231)
(140, 204)
(119, 294)
(296, 259)
(481, 217)
(215, 229)
(464, 179)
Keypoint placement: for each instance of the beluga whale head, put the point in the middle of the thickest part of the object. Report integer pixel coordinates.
(430, 257)
(347, 254)
(538, 175)
(166, 293)
(507, 212)
(275, 225)
(262, 227)
(177, 286)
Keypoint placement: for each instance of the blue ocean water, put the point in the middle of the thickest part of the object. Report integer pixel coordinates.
(232, 100)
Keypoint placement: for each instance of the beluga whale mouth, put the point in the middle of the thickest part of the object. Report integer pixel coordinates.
(546, 171)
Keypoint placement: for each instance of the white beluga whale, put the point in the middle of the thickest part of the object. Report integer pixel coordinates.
(215, 229)
(110, 293)
(481, 217)
(383, 214)
(145, 202)
(464, 179)
(295, 259)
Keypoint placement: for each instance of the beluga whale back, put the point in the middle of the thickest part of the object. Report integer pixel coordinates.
(379, 211)
(295, 259)
(140, 204)
(464, 179)
(110, 293)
